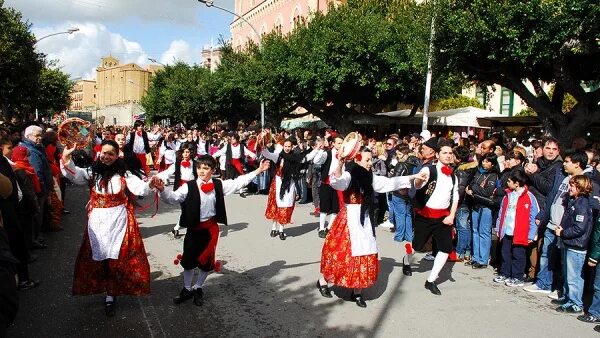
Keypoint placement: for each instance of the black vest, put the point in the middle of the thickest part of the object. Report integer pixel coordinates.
(177, 165)
(326, 165)
(190, 208)
(144, 137)
(424, 194)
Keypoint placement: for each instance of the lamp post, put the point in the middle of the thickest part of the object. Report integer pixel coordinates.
(153, 60)
(210, 3)
(429, 74)
(69, 31)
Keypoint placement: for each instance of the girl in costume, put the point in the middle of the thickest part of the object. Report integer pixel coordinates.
(112, 258)
(349, 256)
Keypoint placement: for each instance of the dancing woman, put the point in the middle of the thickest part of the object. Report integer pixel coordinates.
(349, 256)
(112, 258)
(282, 194)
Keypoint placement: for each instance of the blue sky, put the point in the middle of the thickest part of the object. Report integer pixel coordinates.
(130, 30)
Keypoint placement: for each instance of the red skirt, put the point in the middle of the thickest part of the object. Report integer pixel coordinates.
(128, 275)
(280, 215)
(337, 264)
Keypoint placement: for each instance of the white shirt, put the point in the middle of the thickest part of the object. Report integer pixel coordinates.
(235, 152)
(138, 144)
(321, 157)
(187, 174)
(444, 189)
(201, 148)
(207, 200)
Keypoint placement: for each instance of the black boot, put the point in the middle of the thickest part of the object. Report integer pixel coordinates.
(198, 297)
(406, 270)
(433, 288)
(324, 290)
(184, 295)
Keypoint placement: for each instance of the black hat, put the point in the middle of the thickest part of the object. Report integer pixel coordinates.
(432, 143)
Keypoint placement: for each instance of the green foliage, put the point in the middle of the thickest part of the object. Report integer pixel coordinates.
(458, 101)
(176, 92)
(54, 90)
(538, 41)
(20, 65)
(526, 112)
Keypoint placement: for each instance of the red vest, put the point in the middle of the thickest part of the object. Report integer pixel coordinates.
(522, 213)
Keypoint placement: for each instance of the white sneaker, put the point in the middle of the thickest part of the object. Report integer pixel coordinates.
(429, 257)
(500, 279)
(386, 224)
(514, 283)
(535, 289)
(553, 295)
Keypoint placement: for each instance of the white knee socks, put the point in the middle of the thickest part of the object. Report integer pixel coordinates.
(188, 275)
(280, 228)
(322, 218)
(438, 264)
(201, 278)
(274, 226)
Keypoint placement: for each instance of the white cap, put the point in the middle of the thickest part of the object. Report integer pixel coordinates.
(426, 135)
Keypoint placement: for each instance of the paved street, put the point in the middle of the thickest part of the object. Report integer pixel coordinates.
(267, 289)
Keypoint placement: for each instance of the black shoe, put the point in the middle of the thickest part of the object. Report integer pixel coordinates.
(569, 309)
(406, 270)
(558, 301)
(198, 299)
(358, 299)
(243, 195)
(28, 284)
(324, 290)
(479, 266)
(274, 233)
(109, 308)
(184, 295)
(589, 318)
(322, 234)
(433, 288)
(282, 235)
(175, 233)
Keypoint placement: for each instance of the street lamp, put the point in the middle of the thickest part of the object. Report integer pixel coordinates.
(69, 31)
(153, 60)
(210, 3)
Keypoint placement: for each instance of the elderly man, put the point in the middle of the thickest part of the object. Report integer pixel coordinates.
(32, 140)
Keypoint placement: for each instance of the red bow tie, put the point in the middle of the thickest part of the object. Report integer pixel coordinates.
(185, 164)
(207, 187)
(139, 133)
(447, 170)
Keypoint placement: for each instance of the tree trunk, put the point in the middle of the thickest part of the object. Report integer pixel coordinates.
(565, 127)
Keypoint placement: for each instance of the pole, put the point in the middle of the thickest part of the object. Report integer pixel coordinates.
(209, 3)
(429, 75)
(70, 31)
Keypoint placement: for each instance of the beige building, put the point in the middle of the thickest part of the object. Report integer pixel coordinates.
(119, 84)
(500, 100)
(211, 57)
(83, 96)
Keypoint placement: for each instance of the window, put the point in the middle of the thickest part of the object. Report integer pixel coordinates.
(481, 95)
(507, 101)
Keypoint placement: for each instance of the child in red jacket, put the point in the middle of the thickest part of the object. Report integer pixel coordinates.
(516, 228)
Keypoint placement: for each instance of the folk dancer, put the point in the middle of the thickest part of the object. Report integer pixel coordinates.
(202, 208)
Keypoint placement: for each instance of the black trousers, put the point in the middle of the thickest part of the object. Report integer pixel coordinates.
(513, 259)
(440, 233)
(329, 201)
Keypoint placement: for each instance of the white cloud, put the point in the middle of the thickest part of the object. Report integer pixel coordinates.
(180, 50)
(79, 54)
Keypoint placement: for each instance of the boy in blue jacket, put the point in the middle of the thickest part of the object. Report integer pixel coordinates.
(575, 231)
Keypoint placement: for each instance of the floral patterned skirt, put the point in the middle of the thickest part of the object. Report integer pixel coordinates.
(280, 215)
(337, 264)
(128, 275)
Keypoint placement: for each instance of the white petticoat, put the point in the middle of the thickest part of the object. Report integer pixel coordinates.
(106, 229)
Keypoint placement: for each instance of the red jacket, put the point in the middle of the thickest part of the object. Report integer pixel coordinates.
(526, 210)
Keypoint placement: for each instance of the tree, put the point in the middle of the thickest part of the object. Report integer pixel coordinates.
(458, 101)
(54, 89)
(20, 64)
(347, 64)
(176, 93)
(539, 42)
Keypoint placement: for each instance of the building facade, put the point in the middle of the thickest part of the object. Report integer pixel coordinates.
(211, 57)
(268, 15)
(119, 84)
(83, 96)
(498, 99)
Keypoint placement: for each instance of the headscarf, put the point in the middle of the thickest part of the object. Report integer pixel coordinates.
(20, 157)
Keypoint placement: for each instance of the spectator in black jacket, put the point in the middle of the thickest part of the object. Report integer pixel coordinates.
(464, 174)
(541, 179)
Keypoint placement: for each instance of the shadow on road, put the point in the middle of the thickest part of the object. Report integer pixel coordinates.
(301, 229)
(225, 230)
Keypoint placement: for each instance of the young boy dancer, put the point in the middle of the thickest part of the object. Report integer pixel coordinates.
(202, 208)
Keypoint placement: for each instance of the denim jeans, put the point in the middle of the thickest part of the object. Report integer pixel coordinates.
(573, 261)
(402, 213)
(549, 259)
(463, 229)
(482, 234)
(303, 189)
(594, 309)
